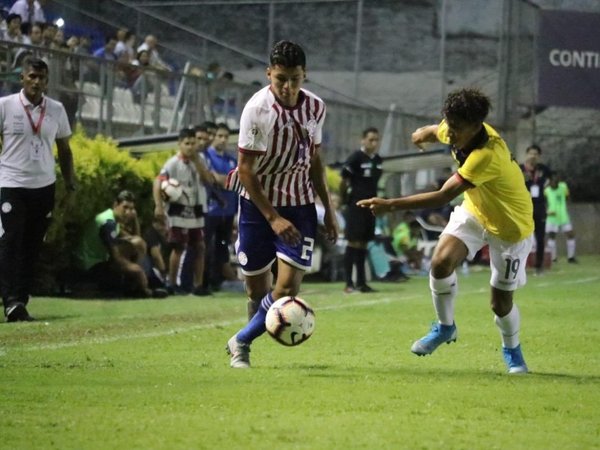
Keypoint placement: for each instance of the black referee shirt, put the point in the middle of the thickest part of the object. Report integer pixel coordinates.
(363, 172)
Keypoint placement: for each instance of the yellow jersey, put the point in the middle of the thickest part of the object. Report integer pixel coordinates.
(499, 198)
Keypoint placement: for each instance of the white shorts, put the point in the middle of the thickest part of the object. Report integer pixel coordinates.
(563, 228)
(507, 259)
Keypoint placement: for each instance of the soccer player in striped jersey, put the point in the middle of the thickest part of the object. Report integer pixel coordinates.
(496, 211)
(279, 171)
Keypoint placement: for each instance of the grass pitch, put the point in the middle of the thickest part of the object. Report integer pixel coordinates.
(153, 374)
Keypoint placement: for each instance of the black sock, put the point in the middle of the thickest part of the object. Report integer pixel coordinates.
(348, 263)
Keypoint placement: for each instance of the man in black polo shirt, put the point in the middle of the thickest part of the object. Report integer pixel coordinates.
(537, 176)
(360, 175)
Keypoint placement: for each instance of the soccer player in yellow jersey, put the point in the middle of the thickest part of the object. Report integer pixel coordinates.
(496, 211)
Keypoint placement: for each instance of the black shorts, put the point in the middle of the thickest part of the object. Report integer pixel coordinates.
(360, 224)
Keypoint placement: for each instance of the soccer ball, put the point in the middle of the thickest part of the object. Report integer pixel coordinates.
(290, 321)
(171, 190)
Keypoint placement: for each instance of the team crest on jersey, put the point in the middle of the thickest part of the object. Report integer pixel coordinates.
(311, 126)
(242, 258)
(253, 135)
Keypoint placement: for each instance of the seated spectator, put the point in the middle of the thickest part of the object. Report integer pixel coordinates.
(125, 45)
(72, 44)
(36, 34)
(30, 12)
(48, 33)
(111, 260)
(85, 45)
(140, 80)
(405, 239)
(150, 44)
(129, 225)
(58, 43)
(13, 31)
(107, 51)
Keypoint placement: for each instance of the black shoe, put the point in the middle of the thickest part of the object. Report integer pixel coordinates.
(16, 312)
(159, 293)
(366, 289)
(201, 291)
(176, 290)
(573, 260)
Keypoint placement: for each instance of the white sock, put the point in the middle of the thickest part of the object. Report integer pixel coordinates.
(571, 248)
(552, 247)
(443, 292)
(509, 326)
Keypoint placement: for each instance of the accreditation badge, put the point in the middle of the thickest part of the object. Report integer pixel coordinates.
(36, 147)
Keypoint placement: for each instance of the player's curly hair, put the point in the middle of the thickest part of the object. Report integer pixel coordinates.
(287, 54)
(467, 105)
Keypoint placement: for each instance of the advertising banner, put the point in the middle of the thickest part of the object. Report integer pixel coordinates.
(569, 59)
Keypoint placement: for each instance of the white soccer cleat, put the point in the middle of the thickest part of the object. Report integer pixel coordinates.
(240, 353)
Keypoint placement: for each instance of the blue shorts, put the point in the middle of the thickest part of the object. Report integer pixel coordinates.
(258, 246)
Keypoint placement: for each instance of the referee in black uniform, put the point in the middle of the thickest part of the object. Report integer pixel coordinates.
(30, 124)
(360, 175)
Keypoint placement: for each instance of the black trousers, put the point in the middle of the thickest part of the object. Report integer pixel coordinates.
(25, 215)
(539, 220)
(218, 231)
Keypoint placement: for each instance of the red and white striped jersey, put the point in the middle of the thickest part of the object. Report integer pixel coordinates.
(285, 140)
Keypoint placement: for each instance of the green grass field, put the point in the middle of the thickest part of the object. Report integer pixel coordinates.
(153, 374)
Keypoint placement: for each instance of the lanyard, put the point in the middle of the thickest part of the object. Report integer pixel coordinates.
(37, 128)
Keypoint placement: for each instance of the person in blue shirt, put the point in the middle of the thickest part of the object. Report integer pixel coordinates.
(221, 210)
(107, 51)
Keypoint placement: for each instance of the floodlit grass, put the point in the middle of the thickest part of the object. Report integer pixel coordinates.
(153, 374)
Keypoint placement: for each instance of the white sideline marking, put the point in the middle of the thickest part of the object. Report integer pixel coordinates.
(579, 281)
(173, 331)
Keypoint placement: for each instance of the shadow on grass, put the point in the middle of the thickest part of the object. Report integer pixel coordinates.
(333, 371)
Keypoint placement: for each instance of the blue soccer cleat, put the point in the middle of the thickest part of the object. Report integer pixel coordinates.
(514, 360)
(438, 335)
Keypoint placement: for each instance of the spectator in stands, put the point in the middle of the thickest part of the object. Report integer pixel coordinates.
(185, 214)
(72, 44)
(36, 34)
(58, 43)
(360, 175)
(111, 259)
(13, 31)
(125, 46)
(107, 51)
(140, 79)
(85, 45)
(219, 226)
(537, 175)
(150, 44)
(30, 12)
(49, 32)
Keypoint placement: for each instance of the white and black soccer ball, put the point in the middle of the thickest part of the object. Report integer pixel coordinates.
(171, 190)
(290, 321)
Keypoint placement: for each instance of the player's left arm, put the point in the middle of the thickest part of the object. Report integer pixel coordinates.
(317, 176)
(452, 188)
(65, 160)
